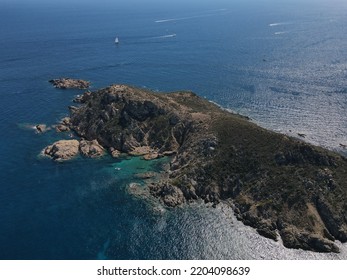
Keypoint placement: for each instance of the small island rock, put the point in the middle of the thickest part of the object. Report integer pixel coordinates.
(66, 83)
(41, 128)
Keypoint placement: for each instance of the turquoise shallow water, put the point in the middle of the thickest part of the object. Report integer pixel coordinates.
(283, 65)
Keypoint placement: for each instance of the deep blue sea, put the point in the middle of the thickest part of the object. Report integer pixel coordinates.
(283, 63)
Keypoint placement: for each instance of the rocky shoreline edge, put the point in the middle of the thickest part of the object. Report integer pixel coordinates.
(277, 184)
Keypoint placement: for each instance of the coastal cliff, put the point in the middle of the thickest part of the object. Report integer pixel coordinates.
(276, 184)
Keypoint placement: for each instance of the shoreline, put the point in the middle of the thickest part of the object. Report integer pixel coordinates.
(219, 155)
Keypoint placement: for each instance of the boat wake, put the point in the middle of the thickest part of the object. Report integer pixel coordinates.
(278, 23)
(164, 36)
(145, 39)
(206, 14)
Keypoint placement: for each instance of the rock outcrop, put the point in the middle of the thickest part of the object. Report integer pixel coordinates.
(82, 98)
(41, 128)
(91, 149)
(124, 122)
(67, 149)
(145, 175)
(277, 184)
(62, 150)
(64, 125)
(66, 83)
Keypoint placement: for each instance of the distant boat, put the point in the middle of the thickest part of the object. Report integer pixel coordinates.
(116, 41)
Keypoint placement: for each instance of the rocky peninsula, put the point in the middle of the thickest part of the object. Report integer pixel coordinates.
(279, 185)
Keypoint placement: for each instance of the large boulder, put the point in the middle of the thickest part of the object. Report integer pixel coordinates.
(91, 148)
(62, 150)
(171, 195)
(292, 238)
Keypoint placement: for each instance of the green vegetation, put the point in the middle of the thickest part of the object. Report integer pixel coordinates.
(276, 183)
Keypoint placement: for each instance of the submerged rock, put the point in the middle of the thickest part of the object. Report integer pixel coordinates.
(145, 175)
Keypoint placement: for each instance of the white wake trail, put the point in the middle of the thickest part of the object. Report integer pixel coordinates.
(278, 23)
(164, 36)
(205, 14)
(175, 19)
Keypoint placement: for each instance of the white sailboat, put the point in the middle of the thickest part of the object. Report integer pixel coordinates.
(116, 41)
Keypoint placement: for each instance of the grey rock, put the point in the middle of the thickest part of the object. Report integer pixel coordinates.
(66, 83)
(91, 148)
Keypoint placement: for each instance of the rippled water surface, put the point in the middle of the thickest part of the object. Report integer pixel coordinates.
(284, 65)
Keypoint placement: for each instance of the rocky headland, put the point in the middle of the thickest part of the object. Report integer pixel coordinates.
(277, 184)
(66, 83)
